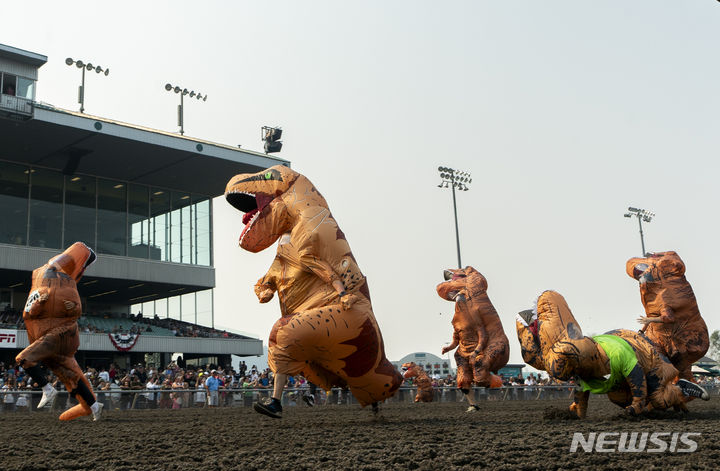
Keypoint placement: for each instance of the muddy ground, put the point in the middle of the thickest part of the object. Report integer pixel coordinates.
(527, 435)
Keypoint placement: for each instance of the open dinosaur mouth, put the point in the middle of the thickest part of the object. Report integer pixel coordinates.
(252, 205)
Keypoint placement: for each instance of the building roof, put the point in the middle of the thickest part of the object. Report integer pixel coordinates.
(78, 143)
(21, 55)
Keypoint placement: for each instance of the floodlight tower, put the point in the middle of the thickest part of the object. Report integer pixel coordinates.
(183, 92)
(83, 66)
(641, 215)
(452, 178)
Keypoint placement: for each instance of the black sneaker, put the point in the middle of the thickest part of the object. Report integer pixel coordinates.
(309, 400)
(271, 408)
(689, 388)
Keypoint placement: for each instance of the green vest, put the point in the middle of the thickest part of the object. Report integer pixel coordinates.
(622, 361)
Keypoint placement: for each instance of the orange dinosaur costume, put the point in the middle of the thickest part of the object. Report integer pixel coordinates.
(50, 316)
(327, 330)
(423, 383)
(477, 330)
(623, 364)
(673, 319)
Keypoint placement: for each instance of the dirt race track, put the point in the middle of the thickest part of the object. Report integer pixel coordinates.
(528, 435)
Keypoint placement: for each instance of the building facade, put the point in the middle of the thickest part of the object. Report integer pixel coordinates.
(141, 198)
(433, 364)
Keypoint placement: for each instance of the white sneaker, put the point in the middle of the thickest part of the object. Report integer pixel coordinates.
(97, 411)
(472, 409)
(47, 397)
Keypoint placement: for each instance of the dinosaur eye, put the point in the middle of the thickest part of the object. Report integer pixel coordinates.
(268, 176)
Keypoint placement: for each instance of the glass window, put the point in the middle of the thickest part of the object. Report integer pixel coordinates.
(14, 180)
(46, 194)
(161, 308)
(148, 309)
(188, 307)
(112, 217)
(26, 88)
(79, 210)
(9, 84)
(174, 307)
(204, 301)
(186, 233)
(138, 221)
(159, 224)
(179, 201)
(202, 232)
(5, 299)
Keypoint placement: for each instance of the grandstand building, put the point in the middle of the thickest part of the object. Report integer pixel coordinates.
(433, 364)
(141, 198)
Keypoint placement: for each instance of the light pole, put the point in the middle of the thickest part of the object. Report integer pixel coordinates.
(641, 215)
(183, 92)
(452, 178)
(83, 66)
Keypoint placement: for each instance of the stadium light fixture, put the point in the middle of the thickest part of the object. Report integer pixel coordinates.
(272, 137)
(89, 67)
(181, 107)
(455, 179)
(641, 215)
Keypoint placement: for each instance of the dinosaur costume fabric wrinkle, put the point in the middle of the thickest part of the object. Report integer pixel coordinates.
(682, 335)
(50, 317)
(646, 382)
(422, 381)
(332, 340)
(482, 346)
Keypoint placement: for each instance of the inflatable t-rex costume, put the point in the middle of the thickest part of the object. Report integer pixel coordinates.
(477, 330)
(327, 330)
(673, 319)
(50, 316)
(623, 364)
(423, 383)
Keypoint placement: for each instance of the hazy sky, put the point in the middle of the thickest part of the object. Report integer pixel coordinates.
(566, 113)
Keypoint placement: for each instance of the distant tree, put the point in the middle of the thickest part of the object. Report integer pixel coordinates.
(715, 345)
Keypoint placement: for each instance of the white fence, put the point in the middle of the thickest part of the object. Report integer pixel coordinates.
(26, 401)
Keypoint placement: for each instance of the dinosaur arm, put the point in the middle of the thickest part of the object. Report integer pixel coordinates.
(529, 346)
(36, 302)
(580, 402)
(453, 345)
(268, 284)
(667, 316)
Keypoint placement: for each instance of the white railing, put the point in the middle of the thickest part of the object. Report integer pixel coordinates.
(16, 104)
(189, 398)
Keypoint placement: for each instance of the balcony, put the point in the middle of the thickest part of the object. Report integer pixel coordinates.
(16, 107)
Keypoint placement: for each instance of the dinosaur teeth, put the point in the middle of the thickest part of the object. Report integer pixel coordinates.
(249, 224)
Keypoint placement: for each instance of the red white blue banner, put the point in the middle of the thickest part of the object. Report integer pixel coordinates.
(124, 342)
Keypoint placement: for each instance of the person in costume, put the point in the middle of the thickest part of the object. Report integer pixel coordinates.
(423, 382)
(327, 330)
(673, 321)
(623, 364)
(50, 316)
(482, 346)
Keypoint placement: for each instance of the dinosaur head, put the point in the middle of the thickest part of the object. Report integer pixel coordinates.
(259, 196)
(655, 267)
(74, 260)
(575, 357)
(410, 370)
(461, 284)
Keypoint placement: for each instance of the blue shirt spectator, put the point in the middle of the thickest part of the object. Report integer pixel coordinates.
(213, 382)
